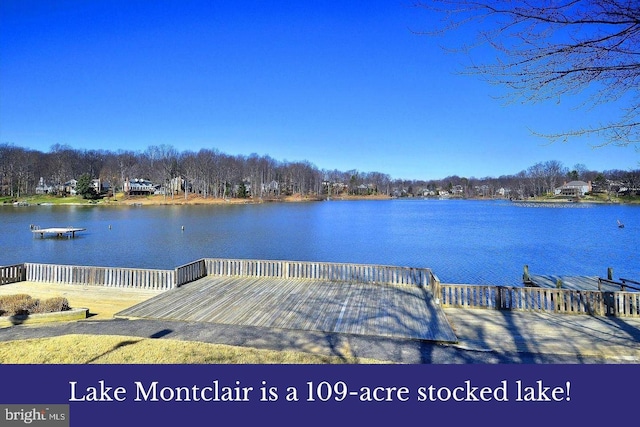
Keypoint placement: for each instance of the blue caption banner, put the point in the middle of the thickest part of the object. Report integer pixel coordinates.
(310, 395)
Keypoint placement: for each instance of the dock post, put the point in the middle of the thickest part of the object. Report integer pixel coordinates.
(498, 300)
(525, 276)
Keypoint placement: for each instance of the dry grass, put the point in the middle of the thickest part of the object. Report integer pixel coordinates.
(111, 349)
(20, 304)
(102, 302)
(179, 199)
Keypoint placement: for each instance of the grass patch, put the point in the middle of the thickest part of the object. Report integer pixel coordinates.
(609, 198)
(56, 200)
(7, 199)
(111, 349)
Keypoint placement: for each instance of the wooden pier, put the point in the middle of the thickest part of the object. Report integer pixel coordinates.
(576, 283)
(398, 311)
(57, 231)
(358, 299)
(579, 283)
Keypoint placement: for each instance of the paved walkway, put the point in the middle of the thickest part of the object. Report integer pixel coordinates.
(485, 337)
(616, 339)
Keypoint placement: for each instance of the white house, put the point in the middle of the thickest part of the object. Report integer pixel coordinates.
(43, 187)
(574, 189)
(100, 186)
(138, 187)
(69, 187)
(270, 187)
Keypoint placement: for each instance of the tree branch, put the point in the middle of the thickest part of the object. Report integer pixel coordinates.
(549, 48)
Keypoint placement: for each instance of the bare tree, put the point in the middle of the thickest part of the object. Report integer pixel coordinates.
(579, 172)
(206, 169)
(191, 171)
(17, 170)
(163, 160)
(547, 49)
(8, 162)
(554, 172)
(65, 164)
(129, 165)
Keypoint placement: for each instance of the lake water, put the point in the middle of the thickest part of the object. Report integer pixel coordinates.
(481, 242)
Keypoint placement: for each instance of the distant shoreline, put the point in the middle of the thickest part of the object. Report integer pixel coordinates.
(194, 200)
(176, 200)
(158, 200)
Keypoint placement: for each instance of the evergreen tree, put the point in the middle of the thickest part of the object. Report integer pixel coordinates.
(84, 187)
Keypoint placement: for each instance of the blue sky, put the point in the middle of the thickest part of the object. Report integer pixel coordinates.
(342, 84)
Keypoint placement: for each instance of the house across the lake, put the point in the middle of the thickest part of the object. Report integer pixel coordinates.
(139, 187)
(44, 188)
(574, 189)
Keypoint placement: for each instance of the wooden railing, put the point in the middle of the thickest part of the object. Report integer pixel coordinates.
(627, 281)
(320, 271)
(565, 301)
(12, 274)
(623, 284)
(166, 279)
(190, 272)
(541, 299)
(627, 304)
(103, 276)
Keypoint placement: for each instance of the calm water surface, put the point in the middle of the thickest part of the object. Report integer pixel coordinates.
(462, 241)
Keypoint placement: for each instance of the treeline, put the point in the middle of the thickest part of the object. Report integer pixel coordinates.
(211, 173)
(207, 172)
(541, 179)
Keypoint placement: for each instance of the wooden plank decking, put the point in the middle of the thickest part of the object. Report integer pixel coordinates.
(303, 304)
(576, 283)
(58, 231)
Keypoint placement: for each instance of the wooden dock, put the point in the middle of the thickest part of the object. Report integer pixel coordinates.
(576, 283)
(579, 283)
(385, 310)
(57, 231)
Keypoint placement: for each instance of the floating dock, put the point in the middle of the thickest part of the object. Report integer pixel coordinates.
(57, 231)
